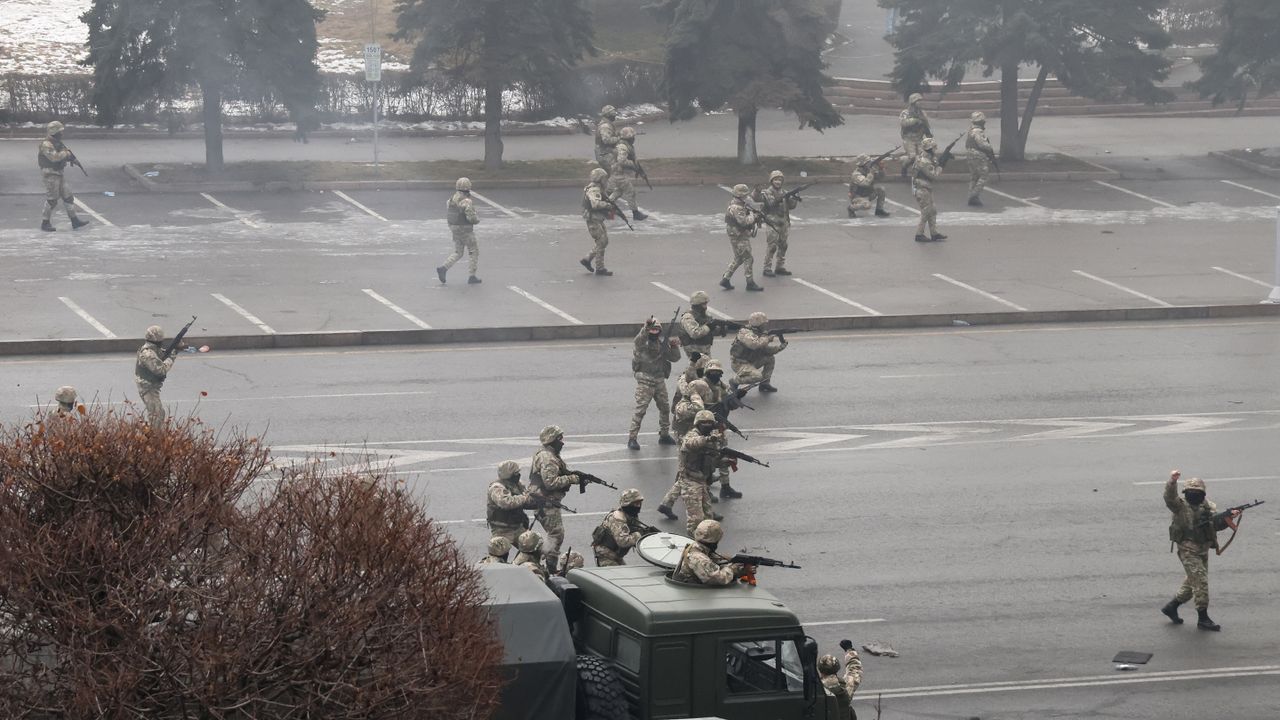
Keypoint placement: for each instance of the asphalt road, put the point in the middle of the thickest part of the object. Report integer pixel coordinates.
(985, 500)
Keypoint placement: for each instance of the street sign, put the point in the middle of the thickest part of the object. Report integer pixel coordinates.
(373, 62)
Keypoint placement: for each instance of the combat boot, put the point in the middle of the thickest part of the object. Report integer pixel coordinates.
(717, 517)
(637, 215)
(782, 271)
(724, 281)
(851, 212)
(473, 280)
(78, 223)
(921, 238)
(665, 511)
(881, 212)
(728, 493)
(666, 439)
(633, 443)
(1204, 623)
(440, 273)
(975, 201)
(1171, 609)
(586, 263)
(47, 226)
(603, 272)
(753, 287)
(938, 236)
(767, 272)
(767, 387)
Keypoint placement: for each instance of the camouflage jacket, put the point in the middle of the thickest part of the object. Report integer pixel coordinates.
(914, 124)
(548, 474)
(694, 332)
(621, 159)
(699, 568)
(461, 210)
(775, 208)
(149, 370)
(615, 536)
(594, 206)
(53, 156)
(493, 560)
(864, 184)
(606, 134)
(739, 220)
(1192, 526)
(653, 359)
(505, 504)
(700, 454)
(752, 347)
(924, 170)
(977, 144)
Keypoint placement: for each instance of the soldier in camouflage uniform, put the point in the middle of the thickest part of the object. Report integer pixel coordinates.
(66, 397)
(980, 154)
(606, 135)
(622, 159)
(696, 329)
(569, 560)
(1194, 530)
(699, 458)
(651, 364)
(506, 502)
(842, 688)
(778, 211)
(597, 205)
(619, 531)
(150, 372)
(498, 549)
(695, 399)
(531, 553)
(914, 126)
(924, 171)
(863, 189)
(462, 218)
(740, 223)
(713, 374)
(752, 353)
(53, 158)
(550, 478)
(698, 564)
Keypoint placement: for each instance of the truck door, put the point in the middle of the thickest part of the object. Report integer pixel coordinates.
(761, 677)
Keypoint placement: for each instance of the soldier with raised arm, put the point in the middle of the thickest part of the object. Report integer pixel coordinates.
(1194, 532)
(651, 361)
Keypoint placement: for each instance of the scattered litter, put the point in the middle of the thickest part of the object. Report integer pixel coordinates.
(205, 348)
(960, 323)
(880, 649)
(151, 173)
(108, 193)
(1131, 657)
(804, 173)
(1125, 666)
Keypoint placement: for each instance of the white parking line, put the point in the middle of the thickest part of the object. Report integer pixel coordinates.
(545, 304)
(1118, 286)
(494, 205)
(358, 204)
(685, 297)
(244, 313)
(895, 203)
(983, 293)
(87, 317)
(1255, 281)
(1148, 198)
(401, 311)
(242, 217)
(994, 191)
(841, 298)
(1254, 189)
(1071, 682)
(80, 204)
(1217, 480)
(843, 622)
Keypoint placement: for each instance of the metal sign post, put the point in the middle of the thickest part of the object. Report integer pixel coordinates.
(1274, 297)
(373, 74)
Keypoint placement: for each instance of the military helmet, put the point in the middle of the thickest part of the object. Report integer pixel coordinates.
(713, 365)
(598, 175)
(499, 545)
(757, 319)
(929, 144)
(1193, 484)
(704, 416)
(631, 496)
(550, 434)
(65, 394)
(627, 133)
(863, 159)
(699, 298)
(463, 184)
(571, 560)
(708, 531)
(55, 127)
(776, 174)
(914, 98)
(828, 665)
(701, 388)
(529, 542)
(609, 111)
(741, 191)
(155, 333)
(978, 117)
(508, 469)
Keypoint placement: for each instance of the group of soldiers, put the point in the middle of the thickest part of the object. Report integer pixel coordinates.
(923, 164)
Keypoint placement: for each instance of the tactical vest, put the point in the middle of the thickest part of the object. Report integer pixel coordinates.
(457, 215)
(603, 537)
(142, 371)
(686, 339)
(535, 475)
(47, 164)
(1195, 524)
(514, 517)
(700, 463)
(739, 351)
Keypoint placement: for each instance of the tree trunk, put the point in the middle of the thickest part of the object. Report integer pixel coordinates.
(492, 123)
(747, 137)
(1030, 111)
(211, 98)
(1009, 147)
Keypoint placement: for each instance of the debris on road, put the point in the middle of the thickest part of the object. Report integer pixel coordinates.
(880, 649)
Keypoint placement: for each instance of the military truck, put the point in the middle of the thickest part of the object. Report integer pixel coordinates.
(630, 643)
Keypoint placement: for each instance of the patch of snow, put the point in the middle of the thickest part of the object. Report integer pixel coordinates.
(42, 36)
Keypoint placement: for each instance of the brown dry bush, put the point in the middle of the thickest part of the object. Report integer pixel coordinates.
(162, 575)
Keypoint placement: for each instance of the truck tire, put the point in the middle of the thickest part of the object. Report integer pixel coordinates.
(600, 694)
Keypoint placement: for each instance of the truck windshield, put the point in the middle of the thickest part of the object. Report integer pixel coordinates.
(769, 665)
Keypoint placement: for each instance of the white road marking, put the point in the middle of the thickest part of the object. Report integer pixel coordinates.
(494, 205)
(677, 293)
(1255, 281)
(1120, 287)
(1218, 480)
(242, 217)
(1148, 198)
(399, 310)
(244, 313)
(87, 317)
(726, 188)
(1057, 683)
(275, 398)
(80, 204)
(841, 298)
(546, 305)
(895, 203)
(843, 622)
(1254, 189)
(358, 204)
(566, 516)
(983, 293)
(1024, 201)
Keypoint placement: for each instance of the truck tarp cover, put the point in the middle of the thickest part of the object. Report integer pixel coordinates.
(538, 662)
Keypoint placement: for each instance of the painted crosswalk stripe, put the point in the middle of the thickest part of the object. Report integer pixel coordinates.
(358, 204)
(983, 293)
(1232, 273)
(1122, 288)
(242, 217)
(87, 317)
(683, 296)
(399, 310)
(1014, 198)
(897, 204)
(538, 301)
(494, 205)
(80, 204)
(1252, 189)
(1148, 198)
(834, 296)
(244, 313)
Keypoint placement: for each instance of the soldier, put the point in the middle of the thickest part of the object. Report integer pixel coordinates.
(150, 372)
(740, 222)
(66, 397)
(697, 328)
(651, 364)
(694, 401)
(924, 171)
(842, 688)
(698, 564)
(980, 155)
(606, 135)
(752, 353)
(462, 218)
(863, 188)
(498, 548)
(597, 206)
(619, 531)
(699, 458)
(53, 158)
(713, 373)
(506, 503)
(570, 560)
(1194, 530)
(529, 545)
(777, 208)
(551, 479)
(622, 159)
(914, 126)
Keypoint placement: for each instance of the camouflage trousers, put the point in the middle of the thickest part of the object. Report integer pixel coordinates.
(604, 155)
(601, 235)
(746, 373)
(697, 502)
(776, 242)
(55, 189)
(620, 186)
(551, 521)
(607, 558)
(979, 171)
(1196, 583)
(910, 148)
(858, 203)
(651, 390)
(510, 532)
(464, 241)
(928, 213)
(741, 257)
(150, 396)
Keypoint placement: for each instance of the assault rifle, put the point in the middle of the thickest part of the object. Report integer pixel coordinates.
(671, 326)
(722, 418)
(754, 561)
(640, 173)
(645, 528)
(172, 347)
(72, 159)
(736, 455)
(585, 479)
(1226, 514)
(613, 204)
(542, 501)
(795, 192)
(734, 325)
(760, 216)
(946, 155)
(991, 155)
(878, 159)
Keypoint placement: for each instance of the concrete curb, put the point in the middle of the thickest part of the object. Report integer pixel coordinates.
(545, 333)
(1245, 163)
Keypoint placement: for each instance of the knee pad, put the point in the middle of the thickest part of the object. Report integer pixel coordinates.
(69, 199)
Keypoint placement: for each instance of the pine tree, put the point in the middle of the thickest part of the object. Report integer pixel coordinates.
(748, 55)
(1247, 58)
(1096, 48)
